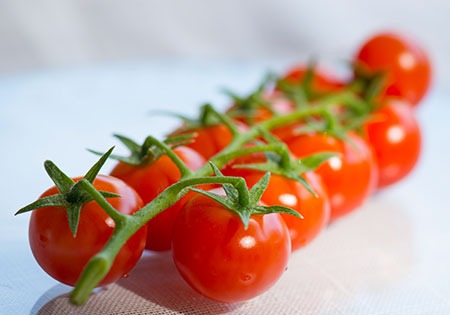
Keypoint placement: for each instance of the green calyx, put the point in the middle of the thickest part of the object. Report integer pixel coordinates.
(147, 152)
(242, 201)
(279, 161)
(208, 116)
(139, 154)
(336, 115)
(359, 95)
(70, 196)
(246, 107)
(301, 92)
(368, 83)
(151, 150)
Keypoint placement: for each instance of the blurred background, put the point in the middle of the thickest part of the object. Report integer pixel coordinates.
(54, 33)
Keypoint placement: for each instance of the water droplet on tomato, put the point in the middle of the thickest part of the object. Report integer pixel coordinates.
(43, 240)
(246, 277)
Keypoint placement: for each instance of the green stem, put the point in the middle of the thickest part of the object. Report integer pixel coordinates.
(126, 226)
(244, 195)
(277, 148)
(330, 119)
(223, 118)
(336, 99)
(173, 193)
(285, 162)
(99, 265)
(101, 201)
(184, 170)
(357, 104)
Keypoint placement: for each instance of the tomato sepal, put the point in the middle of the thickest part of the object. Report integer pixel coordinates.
(242, 201)
(280, 162)
(246, 107)
(71, 196)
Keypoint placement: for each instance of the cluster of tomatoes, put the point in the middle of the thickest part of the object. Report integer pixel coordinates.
(375, 143)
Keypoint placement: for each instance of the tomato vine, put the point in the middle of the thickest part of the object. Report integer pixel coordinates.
(278, 125)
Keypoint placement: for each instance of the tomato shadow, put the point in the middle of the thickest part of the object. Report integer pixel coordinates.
(153, 287)
(354, 264)
(157, 281)
(44, 304)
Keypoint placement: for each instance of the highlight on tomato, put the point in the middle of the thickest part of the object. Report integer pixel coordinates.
(224, 260)
(67, 227)
(395, 136)
(350, 177)
(315, 209)
(406, 65)
(64, 256)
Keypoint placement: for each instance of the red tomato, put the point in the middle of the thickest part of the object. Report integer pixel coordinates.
(396, 139)
(350, 177)
(209, 140)
(221, 259)
(149, 181)
(407, 66)
(292, 194)
(322, 82)
(314, 209)
(63, 256)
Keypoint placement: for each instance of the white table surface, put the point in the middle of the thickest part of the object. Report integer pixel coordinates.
(392, 256)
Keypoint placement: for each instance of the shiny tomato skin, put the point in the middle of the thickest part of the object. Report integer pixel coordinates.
(292, 194)
(63, 256)
(152, 179)
(221, 259)
(211, 139)
(314, 209)
(407, 66)
(208, 140)
(395, 136)
(349, 178)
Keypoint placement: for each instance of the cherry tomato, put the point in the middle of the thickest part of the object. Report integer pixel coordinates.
(322, 81)
(149, 181)
(287, 131)
(221, 259)
(314, 209)
(208, 140)
(63, 256)
(349, 178)
(396, 139)
(407, 66)
(292, 194)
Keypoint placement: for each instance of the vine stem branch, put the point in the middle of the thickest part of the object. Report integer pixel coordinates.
(126, 226)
